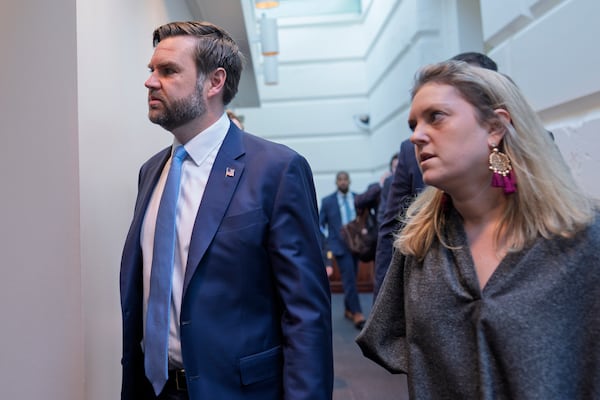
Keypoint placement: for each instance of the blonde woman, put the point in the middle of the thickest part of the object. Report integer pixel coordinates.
(494, 289)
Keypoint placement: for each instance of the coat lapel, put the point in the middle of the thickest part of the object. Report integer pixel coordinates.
(335, 210)
(222, 182)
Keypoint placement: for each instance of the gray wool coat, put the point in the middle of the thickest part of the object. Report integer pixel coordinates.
(532, 333)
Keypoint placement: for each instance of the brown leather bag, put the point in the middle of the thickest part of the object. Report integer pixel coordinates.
(360, 235)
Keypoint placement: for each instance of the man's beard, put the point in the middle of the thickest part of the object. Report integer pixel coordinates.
(181, 111)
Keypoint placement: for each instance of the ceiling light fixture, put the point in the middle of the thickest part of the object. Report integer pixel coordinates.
(269, 41)
(266, 3)
(269, 47)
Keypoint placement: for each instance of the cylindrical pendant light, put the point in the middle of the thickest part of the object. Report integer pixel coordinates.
(269, 42)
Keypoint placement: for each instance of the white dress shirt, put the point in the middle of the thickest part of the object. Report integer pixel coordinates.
(202, 151)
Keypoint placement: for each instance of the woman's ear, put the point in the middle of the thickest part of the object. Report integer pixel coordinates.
(498, 128)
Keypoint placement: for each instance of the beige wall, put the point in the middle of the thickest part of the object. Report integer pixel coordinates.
(41, 347)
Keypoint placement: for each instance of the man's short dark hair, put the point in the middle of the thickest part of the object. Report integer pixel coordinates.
(394, 157)
(479, 59)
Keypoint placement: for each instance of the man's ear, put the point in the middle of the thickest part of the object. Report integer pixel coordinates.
(498, 128)
(216, 82)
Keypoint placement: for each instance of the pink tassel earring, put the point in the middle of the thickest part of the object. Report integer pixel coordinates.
(503, 176)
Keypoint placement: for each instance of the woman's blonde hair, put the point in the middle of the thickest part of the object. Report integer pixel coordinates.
(547, 202)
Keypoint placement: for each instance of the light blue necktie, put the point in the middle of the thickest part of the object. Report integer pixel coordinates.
(156, 337)
(347, 209)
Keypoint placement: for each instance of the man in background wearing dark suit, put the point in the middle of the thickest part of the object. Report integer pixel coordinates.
(338, 209)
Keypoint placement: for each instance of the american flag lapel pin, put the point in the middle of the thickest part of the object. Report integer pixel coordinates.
(229, 172)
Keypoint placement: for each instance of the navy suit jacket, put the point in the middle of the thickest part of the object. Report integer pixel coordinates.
(256, 311)
(330, 218)
(406, 184)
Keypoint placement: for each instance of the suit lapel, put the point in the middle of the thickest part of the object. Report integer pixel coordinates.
(220, 187)
(336, 209)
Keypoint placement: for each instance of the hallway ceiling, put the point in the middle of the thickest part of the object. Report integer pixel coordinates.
(313, 8)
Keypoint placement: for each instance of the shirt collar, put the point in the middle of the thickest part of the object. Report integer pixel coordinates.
(201, 145)
(348, 195)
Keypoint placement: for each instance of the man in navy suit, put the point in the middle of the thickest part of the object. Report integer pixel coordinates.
(338, 209)
(250, 314)
(405, 185)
